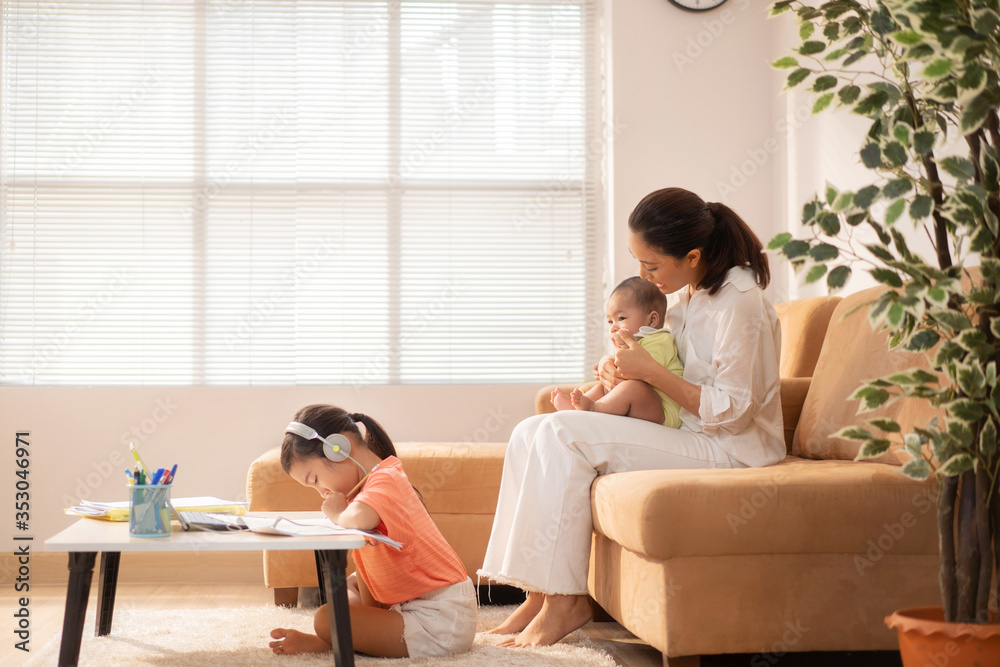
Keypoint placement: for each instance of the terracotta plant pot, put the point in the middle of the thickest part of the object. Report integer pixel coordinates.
(926, 640)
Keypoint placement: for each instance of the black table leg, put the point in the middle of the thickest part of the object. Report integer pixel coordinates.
(335, 580)
(106, 587)
(319, 578)
(81, 571)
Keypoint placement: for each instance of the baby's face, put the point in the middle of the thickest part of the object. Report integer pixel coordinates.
(623, 314)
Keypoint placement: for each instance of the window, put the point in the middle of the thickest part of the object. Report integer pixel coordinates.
(234, 193)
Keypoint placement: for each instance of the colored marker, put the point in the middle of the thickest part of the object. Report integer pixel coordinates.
(135, 455)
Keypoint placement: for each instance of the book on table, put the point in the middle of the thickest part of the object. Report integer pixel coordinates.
(118, 511)
(278, 526)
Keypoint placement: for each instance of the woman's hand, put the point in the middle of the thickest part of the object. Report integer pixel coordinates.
(631, 359)
(607, 373)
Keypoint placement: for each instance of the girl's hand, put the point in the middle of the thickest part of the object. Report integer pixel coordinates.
(607, 373)
(334, 505)
(631, 359)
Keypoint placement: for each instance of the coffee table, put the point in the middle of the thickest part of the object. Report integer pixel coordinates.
(88, 537)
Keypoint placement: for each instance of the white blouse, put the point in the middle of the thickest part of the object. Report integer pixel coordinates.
(730, 344)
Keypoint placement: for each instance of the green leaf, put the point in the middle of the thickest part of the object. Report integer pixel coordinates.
(843, 202)
(849, 94)
(956, 465)
(797, 77)
(975, 111)
(864, 197)
(825, 82)
(995, 327)
(895, 154)
(811, 47)
(886, 425)
(966, 409)
(958, 166)
(903, 133)
(780, 7)
(855, 433)
(923, 142)
(854, 57)
(951, 319)
(938, 69)
(779, 241)
(897, 188)
(923, 340)
(872, 449)
(871, 156)
(822, 102)
(829, 223)
(806, 30)
(838, 277)
(871, 398)
(988, 439)
(895, 210)
(831, 31)
(907, 37)
(920, 207)
(886, 277)
(872, 104)
(824, 252)
(815, 273)
(785, 63)
(895, 315)
(794, 249)
(917, 469)
(971, 380)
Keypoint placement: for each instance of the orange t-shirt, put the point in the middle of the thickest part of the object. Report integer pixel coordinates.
(425, 563)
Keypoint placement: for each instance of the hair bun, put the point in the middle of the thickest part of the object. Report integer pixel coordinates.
(356, 416)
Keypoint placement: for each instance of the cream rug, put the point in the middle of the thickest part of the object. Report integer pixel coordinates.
(239, 637)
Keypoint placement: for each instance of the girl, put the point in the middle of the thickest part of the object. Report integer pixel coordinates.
(417, 601)
(728, 340)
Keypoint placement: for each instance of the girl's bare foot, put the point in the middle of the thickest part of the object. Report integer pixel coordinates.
(521, 617)
(559, 616)
(290, 642)
(579, 401)
(561, 400)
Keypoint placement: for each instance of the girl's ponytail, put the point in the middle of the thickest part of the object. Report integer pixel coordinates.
(676, 221)
(733, 243)
(375, 436)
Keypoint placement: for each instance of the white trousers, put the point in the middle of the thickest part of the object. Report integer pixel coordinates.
(543, 524)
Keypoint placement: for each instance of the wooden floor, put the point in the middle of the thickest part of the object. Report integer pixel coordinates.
(48, 603)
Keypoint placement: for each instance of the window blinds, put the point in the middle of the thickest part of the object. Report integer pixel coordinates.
(234, 193)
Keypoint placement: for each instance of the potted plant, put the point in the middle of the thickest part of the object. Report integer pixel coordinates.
(927, 75)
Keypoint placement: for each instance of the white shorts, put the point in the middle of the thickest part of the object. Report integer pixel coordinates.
(442, 622)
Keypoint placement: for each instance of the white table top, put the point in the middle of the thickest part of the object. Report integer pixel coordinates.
(95, 535)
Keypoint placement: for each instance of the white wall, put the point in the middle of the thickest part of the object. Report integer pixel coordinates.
(692, 102)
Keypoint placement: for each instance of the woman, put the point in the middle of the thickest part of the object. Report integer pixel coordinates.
(728, 339)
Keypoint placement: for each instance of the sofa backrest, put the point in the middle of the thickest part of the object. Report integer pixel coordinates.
(852, 353)
(803, 327)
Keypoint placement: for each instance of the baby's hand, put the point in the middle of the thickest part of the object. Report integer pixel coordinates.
(334, 505)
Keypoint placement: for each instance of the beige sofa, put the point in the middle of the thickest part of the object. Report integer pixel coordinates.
(806, 555)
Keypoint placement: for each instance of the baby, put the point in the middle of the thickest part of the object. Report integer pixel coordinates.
(636, 306)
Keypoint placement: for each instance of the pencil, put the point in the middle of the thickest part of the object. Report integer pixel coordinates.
(353, 492)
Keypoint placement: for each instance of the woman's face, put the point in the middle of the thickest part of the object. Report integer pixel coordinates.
(667, 273)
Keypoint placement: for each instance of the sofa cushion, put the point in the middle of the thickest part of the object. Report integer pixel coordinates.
(798, 506)
(851, 354)
(803, 326)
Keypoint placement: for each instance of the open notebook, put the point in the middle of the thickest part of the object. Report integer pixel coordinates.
(317, 527)
(118, 511)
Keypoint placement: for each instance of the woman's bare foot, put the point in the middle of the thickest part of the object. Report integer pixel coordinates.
(559, 616)
(580, 401)
(290, 642)
(561, 400)
(521, 617)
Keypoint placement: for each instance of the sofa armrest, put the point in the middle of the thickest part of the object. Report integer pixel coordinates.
(271, 489)
(793, 396)
(543, 399)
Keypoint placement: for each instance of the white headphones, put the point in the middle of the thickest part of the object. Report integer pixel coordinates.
(336, 446)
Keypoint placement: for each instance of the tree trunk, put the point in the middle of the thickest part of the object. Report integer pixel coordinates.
(967, 569)
(984, 535)
(946, 545)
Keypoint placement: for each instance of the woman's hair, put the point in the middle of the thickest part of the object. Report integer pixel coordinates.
(675, 221)
(327, 420)
(644, 295)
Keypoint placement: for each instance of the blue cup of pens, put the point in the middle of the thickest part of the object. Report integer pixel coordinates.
(149, 499)
(149, 510)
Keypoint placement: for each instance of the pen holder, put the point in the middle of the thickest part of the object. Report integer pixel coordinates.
(149, 510)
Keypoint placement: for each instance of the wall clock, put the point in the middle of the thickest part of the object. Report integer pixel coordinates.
(697, 5)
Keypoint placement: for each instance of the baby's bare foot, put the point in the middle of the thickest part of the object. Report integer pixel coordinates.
(579, 401)
(561, 400)
(290, 642)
